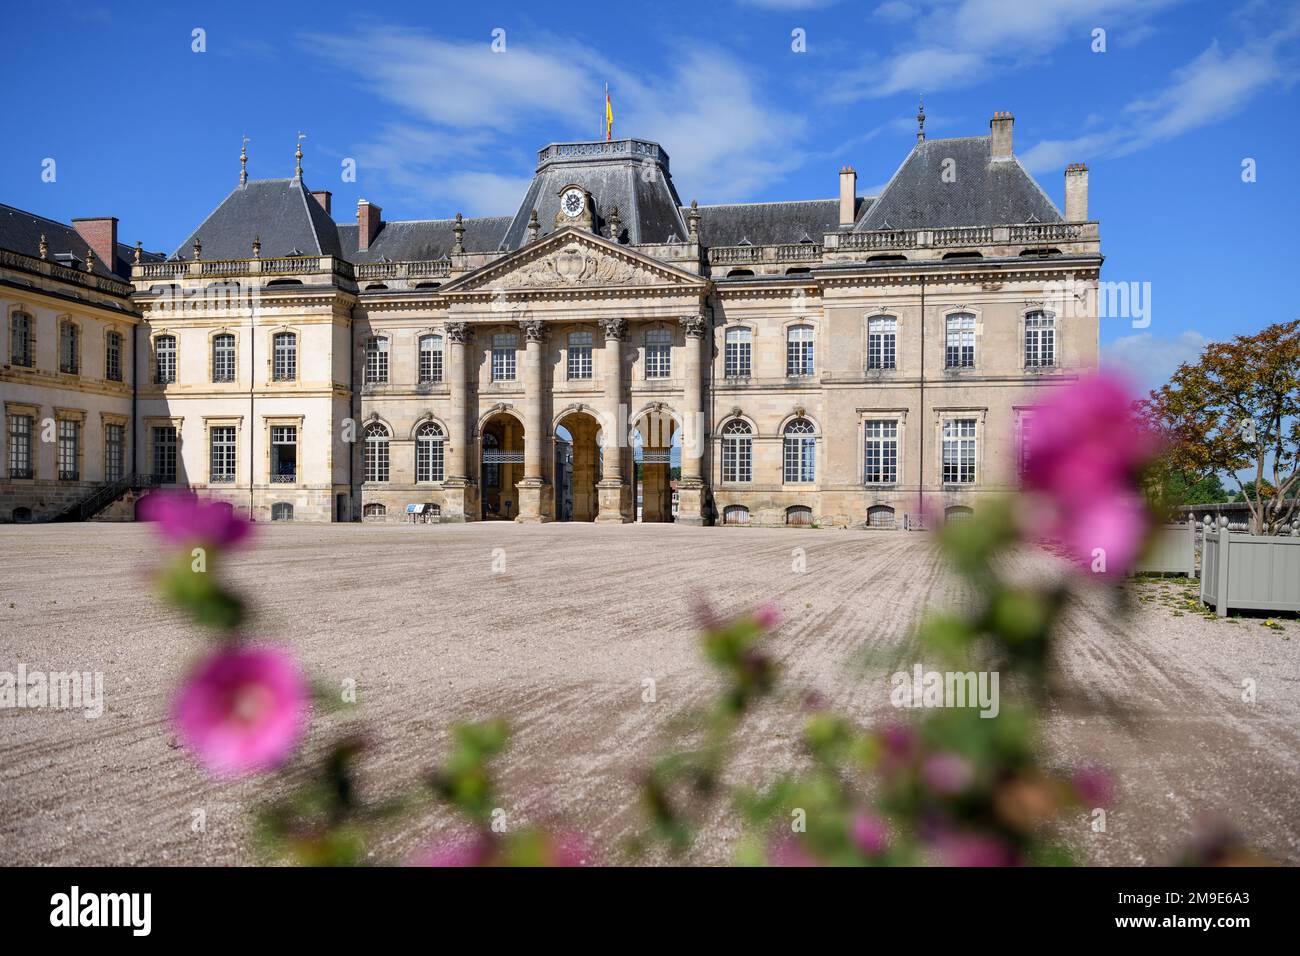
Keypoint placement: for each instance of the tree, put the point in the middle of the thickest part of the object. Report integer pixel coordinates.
(1238, 408)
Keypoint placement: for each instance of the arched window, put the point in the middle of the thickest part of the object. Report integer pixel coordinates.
(880, 516)
(376, 452)
(69, 347)
(376, 360)
(282, 511)
(223, 357)
(799, 516)
(800, 451)
(882, 341)
(284, 348)
(20, 339)
(1040, 340)
(658, 353)
(959, 344)
(799, 351)
(736, 353)
(958, 513)
(737, 451)
(735, 514)
(21, 515)
(430, 359)
(113, 356)
(428, 452)
(164, 359)
(374, 510)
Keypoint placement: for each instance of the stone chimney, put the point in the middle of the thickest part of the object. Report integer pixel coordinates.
(368, 223)
(848, 195)
(1076, 193)
(1000, 124)
(322, 196)
(100, 233)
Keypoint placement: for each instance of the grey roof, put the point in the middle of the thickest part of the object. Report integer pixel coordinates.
(630, 174)
(422, 239)
(281, 212)
(984, 192)
(21, 231)
(770, 223)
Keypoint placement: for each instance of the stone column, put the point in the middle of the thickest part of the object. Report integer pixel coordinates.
(536, 494)
(460, 500)
(614, 492)
(692, 492)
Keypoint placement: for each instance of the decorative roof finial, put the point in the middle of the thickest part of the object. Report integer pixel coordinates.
(693, 222)
(198, 249)
(90, 260)
(615, 225)
(297, 172)
(458, 247)
(920, 121)
(45, 247)
(534, 226)
(257, 247)
(139, 252)
(243, 161)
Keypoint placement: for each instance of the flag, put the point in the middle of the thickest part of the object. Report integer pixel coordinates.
(609, 116)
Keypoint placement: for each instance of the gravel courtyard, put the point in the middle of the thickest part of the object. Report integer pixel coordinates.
(559, 641)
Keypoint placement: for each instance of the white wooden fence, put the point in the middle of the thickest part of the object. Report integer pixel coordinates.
(1172, 551)
(1249, 572)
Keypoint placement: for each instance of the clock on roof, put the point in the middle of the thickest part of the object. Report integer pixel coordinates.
(572, 202)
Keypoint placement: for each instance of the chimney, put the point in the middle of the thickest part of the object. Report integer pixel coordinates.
(1076, 193)
(100, 233)
(848, 196)
(1000, 124)
(322, 196)
(368, 223)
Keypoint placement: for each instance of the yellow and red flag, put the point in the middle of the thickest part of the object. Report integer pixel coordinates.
(609, 115)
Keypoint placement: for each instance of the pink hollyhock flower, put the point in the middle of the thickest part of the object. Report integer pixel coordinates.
(788, 851)
(869, 834)
(974, 849)
(768, 615)
(570, 849)
(457, 852)
(947, 773)
(185, 520)
(1094, 787)
(242, 710)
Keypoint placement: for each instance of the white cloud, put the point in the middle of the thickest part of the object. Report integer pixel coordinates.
(1148, 361)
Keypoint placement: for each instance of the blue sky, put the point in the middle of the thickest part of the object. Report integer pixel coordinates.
(144, 128)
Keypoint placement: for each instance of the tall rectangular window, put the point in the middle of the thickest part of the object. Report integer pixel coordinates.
(959, 451)
(221, 463)
(430, 359)
(1026, 423)
(114, 452)
(428, 453)
(69, 348)
(377, 361)
(223, 357)
(799, 351)
(113, 357)
(164, 454)
(504, 345)
(658, 353)
(880, 453)
(579, 355)
(284, 366)
(737, 452)
(882, 342)
(20, 446)
(959, 350)
(736, 353)
(164, 351)
(20, 339)
(1040, 340)
(284, 454)
(69, 449)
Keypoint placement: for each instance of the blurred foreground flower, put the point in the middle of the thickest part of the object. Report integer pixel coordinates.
(185, 520)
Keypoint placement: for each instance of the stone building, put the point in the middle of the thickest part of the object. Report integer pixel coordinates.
(839, 361)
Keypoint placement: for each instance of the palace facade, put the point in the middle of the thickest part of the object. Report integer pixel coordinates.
(596, 354)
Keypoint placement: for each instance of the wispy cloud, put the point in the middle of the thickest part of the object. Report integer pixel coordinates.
(1147, 360)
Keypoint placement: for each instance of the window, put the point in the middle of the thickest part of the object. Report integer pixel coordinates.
(428, 452)
(1023, 458)
(114, 452)
(800, 451)
(282, 511)
(1040, 340)
(736, 353)
(69, 449)
(223, 357)
(799, 516)
(799, 351)
(880, 516)
(284, 353)
(376, 452)
(430, 359)
(503, 356)
(959, 451)
(491, 469)
(737, 452)
(882, 342)
(880, 453)
(221, 460)
(69, 348)
(374, 510)
(958, 513)
(113, 356)
(735, 514)
(164, 454)
(20, 339)
(658, 353)
(579, 355)
(959, 351)
(20, 446)
(164, 352)
(284, 454)
(377, 361)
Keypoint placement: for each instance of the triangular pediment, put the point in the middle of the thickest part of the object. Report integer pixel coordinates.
(573, 259)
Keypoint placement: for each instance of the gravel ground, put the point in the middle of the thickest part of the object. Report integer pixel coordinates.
(560, 643)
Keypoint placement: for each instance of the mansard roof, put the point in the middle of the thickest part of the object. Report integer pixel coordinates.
(21, 231)
(418, 240)
(771, 223)
(984, 191)
(280, 212)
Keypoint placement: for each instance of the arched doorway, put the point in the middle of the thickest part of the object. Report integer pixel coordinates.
(577, 466)
(501, 458)
(657, 445)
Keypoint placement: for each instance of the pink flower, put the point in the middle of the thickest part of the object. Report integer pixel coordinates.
(187, 521)
(947, 773)
(242, 710)
(570, 849)
(457, 852)
(1094, 787)
(974, 849)
(788, 851)
(768, 615)
(869, 834)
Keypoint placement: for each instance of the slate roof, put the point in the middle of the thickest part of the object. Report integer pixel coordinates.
(20, 231)
(770, 223)
(417, 240)
(985, 192)
(281, 212)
